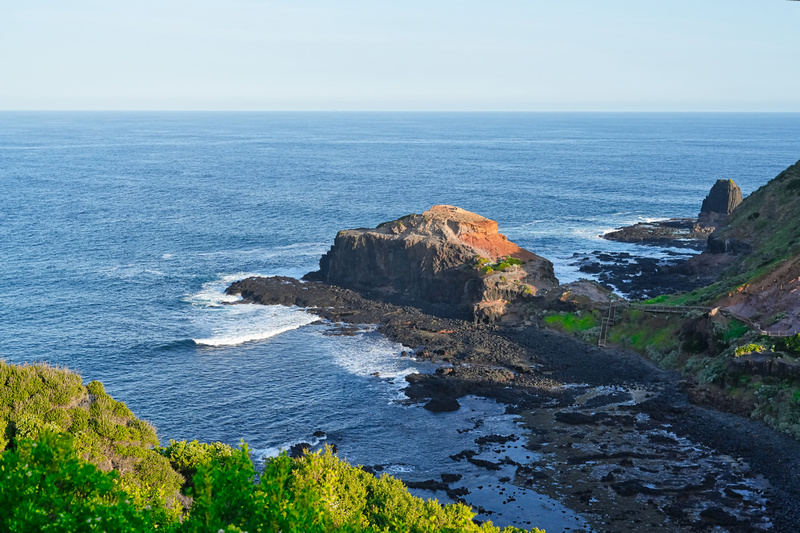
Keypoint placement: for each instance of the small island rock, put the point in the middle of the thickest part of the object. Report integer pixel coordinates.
(445, 255)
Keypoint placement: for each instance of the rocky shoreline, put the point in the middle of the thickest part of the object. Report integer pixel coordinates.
(626, 445)
(614, 438)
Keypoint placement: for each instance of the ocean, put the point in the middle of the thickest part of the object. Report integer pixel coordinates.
(120, 231)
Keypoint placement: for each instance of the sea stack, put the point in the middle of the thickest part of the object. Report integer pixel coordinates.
(445, 255)
(723, 198)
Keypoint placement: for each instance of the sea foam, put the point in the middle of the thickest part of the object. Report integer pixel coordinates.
(220, 321)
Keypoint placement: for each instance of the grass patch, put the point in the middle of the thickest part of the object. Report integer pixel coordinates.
(572, 322)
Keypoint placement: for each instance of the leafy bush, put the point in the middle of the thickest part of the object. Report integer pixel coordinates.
(736, 329)
(46, 487)
(187, 457)
(789, 344)
(776, 404)
(486, 267)
(748, 349)
(315, 493)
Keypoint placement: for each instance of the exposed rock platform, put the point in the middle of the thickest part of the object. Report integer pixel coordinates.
(613, 436)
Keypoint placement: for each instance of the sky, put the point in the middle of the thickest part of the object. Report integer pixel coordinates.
(433, 55)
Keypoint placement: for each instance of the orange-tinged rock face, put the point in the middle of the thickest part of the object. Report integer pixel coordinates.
(475, 230)
(496, 246)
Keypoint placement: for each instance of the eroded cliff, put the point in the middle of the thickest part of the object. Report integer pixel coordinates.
(445, 255)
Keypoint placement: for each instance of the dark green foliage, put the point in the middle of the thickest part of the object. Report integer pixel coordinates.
(793, 185)
(777, 405)
(316, 493)
(39, 398)
(789, 345)
(45, 486)
(572, 322)
(736, 329)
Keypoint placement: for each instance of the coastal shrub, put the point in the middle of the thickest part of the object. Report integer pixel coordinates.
(776, 405)
(48, 481)
(713, 370)
(317, 492)
(154, 485)
(45, 486)
(736, 329)
(485, 267)
(186, 457)
(748, 349)
(41, 398)
(644, 331)
(789, 345)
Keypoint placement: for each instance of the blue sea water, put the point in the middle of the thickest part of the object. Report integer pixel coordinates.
(119, 232)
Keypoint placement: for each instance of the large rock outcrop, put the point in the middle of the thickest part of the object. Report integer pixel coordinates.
(723, 198)
(445, 255)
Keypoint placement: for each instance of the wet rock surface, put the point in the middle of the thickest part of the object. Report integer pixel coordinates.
(641, 277)
(674, 233)
(606, 433)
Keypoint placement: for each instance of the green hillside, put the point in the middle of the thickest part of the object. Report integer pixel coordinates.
(766, 225)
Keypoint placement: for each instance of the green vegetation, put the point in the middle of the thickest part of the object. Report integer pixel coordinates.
(748, 349)
(45, 486)
(62, 440)
(39, 398)
(644, 331)
(736, 330)
(572, 322)
(487, 267)
(790, 345)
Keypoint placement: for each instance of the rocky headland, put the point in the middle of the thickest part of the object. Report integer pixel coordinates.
(720, 202)
(619, 439)
(681, 268)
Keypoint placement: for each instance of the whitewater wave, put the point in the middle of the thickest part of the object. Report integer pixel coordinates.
(263, 325)
(220, 321)
(274, 451)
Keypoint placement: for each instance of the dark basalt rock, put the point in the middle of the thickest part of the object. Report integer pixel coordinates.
(442, 405)
(722, 245)
(723, 198)
(428, 484)
(299, 449)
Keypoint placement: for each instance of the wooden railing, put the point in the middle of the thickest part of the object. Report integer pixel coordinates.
(610, 317)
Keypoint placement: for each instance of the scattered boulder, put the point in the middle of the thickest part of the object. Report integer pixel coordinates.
(442, 404)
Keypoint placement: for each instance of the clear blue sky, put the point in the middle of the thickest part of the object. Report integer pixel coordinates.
(525, 55)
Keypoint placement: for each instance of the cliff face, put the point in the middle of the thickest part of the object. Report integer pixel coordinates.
(445, 255)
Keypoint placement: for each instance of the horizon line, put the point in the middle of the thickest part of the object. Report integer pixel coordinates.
(451, 111)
